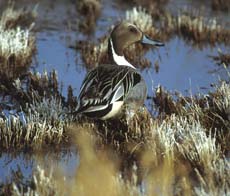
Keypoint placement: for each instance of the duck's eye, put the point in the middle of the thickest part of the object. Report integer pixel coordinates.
(132, 29)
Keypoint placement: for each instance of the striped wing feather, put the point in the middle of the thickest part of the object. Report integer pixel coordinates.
(105, 85)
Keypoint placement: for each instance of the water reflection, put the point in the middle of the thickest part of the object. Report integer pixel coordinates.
(65, 160)
(54, 54)
(10, 164)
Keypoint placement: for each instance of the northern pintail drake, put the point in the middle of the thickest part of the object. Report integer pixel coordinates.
(108, 88)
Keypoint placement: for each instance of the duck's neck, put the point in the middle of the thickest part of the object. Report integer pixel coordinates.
(115, 57)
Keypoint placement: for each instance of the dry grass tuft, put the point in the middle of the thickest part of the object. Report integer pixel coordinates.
(140, 17)
(94, 54)
(193, 26)
(155, 7)
(38, 86)
(42, 183)
(101, 178)
(87, 180)
(41, 121)
(212, 110)
(12, 18)
(41, 125)
(17, 45)
(90, 11)
(221, 5)
(190, 24)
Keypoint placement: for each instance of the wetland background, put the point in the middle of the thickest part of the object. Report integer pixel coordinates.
(179, 145)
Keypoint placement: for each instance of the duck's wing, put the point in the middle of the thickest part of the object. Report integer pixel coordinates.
(105, 85)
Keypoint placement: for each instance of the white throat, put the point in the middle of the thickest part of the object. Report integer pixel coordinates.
(119, 60)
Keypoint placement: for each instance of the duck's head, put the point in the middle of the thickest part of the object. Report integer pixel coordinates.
(123, 35)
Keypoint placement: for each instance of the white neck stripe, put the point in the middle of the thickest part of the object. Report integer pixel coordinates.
(119, 60)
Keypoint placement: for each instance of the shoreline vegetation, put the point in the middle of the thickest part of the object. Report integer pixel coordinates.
(183, 150)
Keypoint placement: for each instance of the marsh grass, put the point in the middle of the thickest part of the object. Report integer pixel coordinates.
(189, 24)
(35, 95)
(94, 54)
(193, 26)
(38, 118)
(37, 126)
(89, 11)
(17, 44)
(211, 110)
(29, 87)
(11, 18)
(221, 5)
(175, 154)
(183, 151)
(139, 17)
(16, 50)
(177, 158)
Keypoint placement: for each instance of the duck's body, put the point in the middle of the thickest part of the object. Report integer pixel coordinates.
(108, 88)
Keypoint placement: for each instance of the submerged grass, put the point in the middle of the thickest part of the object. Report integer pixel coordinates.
(222, 58)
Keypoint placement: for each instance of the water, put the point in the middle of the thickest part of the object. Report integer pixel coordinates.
(54, 54)
(66, 161)
(181, 67)
(184, 68)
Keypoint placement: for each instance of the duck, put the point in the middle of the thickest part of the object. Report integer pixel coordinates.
(109, 88)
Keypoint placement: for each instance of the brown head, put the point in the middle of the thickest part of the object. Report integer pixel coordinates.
(123, 35)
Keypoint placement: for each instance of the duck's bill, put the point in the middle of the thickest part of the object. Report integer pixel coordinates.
(147, 40)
